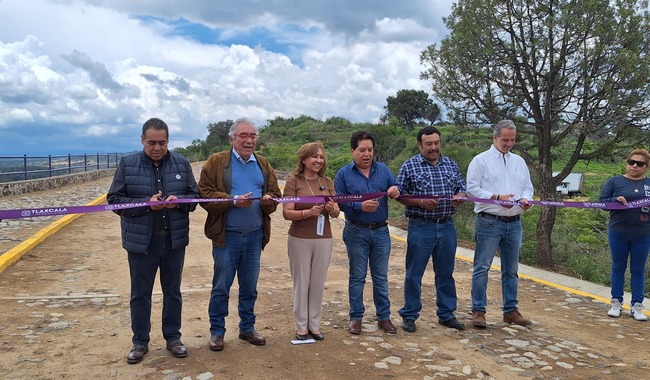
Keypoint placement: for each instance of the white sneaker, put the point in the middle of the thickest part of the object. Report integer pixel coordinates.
(615, 310)
(637, 312)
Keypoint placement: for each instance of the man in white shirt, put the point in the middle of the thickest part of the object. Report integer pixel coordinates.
(500, 175)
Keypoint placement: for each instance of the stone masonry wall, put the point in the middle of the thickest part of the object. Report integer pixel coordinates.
(22, 187)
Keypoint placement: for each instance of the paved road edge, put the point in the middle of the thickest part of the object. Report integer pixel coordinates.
(13, 255)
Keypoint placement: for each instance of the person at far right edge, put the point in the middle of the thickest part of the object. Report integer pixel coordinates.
(498, 174)
(629, 232)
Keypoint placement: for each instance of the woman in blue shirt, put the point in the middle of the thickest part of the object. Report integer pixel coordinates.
(629, 232)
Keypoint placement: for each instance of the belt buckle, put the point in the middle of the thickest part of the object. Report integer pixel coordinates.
(374, 226)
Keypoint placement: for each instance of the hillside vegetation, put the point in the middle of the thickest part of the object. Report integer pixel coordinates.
(579, 237)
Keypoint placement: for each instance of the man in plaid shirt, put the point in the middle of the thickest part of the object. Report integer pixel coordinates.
(431, 231)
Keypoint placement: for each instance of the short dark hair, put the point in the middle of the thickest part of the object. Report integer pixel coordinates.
(428, 131)
(157, 124)
(361, 135)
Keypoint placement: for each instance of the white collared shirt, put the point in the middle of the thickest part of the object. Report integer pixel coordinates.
(493, 172)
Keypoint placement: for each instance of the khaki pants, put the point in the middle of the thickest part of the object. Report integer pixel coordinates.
(309, 260)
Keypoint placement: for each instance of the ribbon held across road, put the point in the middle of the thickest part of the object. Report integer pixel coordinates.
(65, 210)
(597, 205)
(346, 198)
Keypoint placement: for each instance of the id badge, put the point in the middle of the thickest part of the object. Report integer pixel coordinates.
(320, 225)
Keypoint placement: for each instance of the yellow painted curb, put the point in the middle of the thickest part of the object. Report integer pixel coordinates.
(13, 255)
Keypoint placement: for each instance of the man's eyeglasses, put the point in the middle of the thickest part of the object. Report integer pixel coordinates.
(638, 163)
(246, 136)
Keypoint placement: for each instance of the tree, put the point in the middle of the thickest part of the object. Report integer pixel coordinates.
(195, 151)
(217, 138)
(432, 113)
(408, 106)
(570, 73)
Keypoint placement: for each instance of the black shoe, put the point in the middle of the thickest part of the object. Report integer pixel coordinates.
(408, 325)
(453, 323)
(137, 353)
(177, 348)
(318, 336)
(302, 336)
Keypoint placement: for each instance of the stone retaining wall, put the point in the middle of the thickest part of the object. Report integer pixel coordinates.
(22, 187)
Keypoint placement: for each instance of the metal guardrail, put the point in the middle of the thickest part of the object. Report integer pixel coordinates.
(19, 168)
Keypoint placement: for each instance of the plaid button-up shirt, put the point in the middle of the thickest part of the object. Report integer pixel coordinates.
(417, 176)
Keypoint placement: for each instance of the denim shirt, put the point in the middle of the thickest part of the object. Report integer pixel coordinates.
(350, 180)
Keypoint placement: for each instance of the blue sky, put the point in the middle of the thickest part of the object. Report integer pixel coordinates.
(81, 76)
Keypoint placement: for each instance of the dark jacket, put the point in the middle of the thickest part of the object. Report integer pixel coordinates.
(135, 181)
(216, 182)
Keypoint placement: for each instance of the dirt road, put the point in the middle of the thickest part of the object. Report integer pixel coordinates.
(65, 314)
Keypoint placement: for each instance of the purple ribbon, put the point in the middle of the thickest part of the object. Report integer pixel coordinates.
(597, 205)
(64, 210)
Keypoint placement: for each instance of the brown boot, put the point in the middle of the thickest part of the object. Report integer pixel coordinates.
(478, 319)
(387, 326)
(355, 326)
(516, 318)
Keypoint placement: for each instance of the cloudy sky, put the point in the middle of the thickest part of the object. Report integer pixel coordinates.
(82, 76)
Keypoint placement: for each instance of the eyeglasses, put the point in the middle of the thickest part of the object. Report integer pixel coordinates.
(246, 136)
(640, 164)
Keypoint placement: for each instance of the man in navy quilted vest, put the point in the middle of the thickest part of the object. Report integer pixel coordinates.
(154, 236)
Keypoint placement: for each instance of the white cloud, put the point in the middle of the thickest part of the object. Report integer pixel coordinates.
(90, 73)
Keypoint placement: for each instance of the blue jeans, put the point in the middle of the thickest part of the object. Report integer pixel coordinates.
(240, 255)
(438, 242)
(143, 268)
(623, 244)
(368, 247)
(489, 235)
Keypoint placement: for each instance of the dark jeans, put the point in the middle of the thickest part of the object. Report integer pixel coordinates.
(368, 248)
(143, 268)
(625, 246)
(240, 256)
(435, 242)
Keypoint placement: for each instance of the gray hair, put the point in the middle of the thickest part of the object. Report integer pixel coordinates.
(503, 124)
(241, 120)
